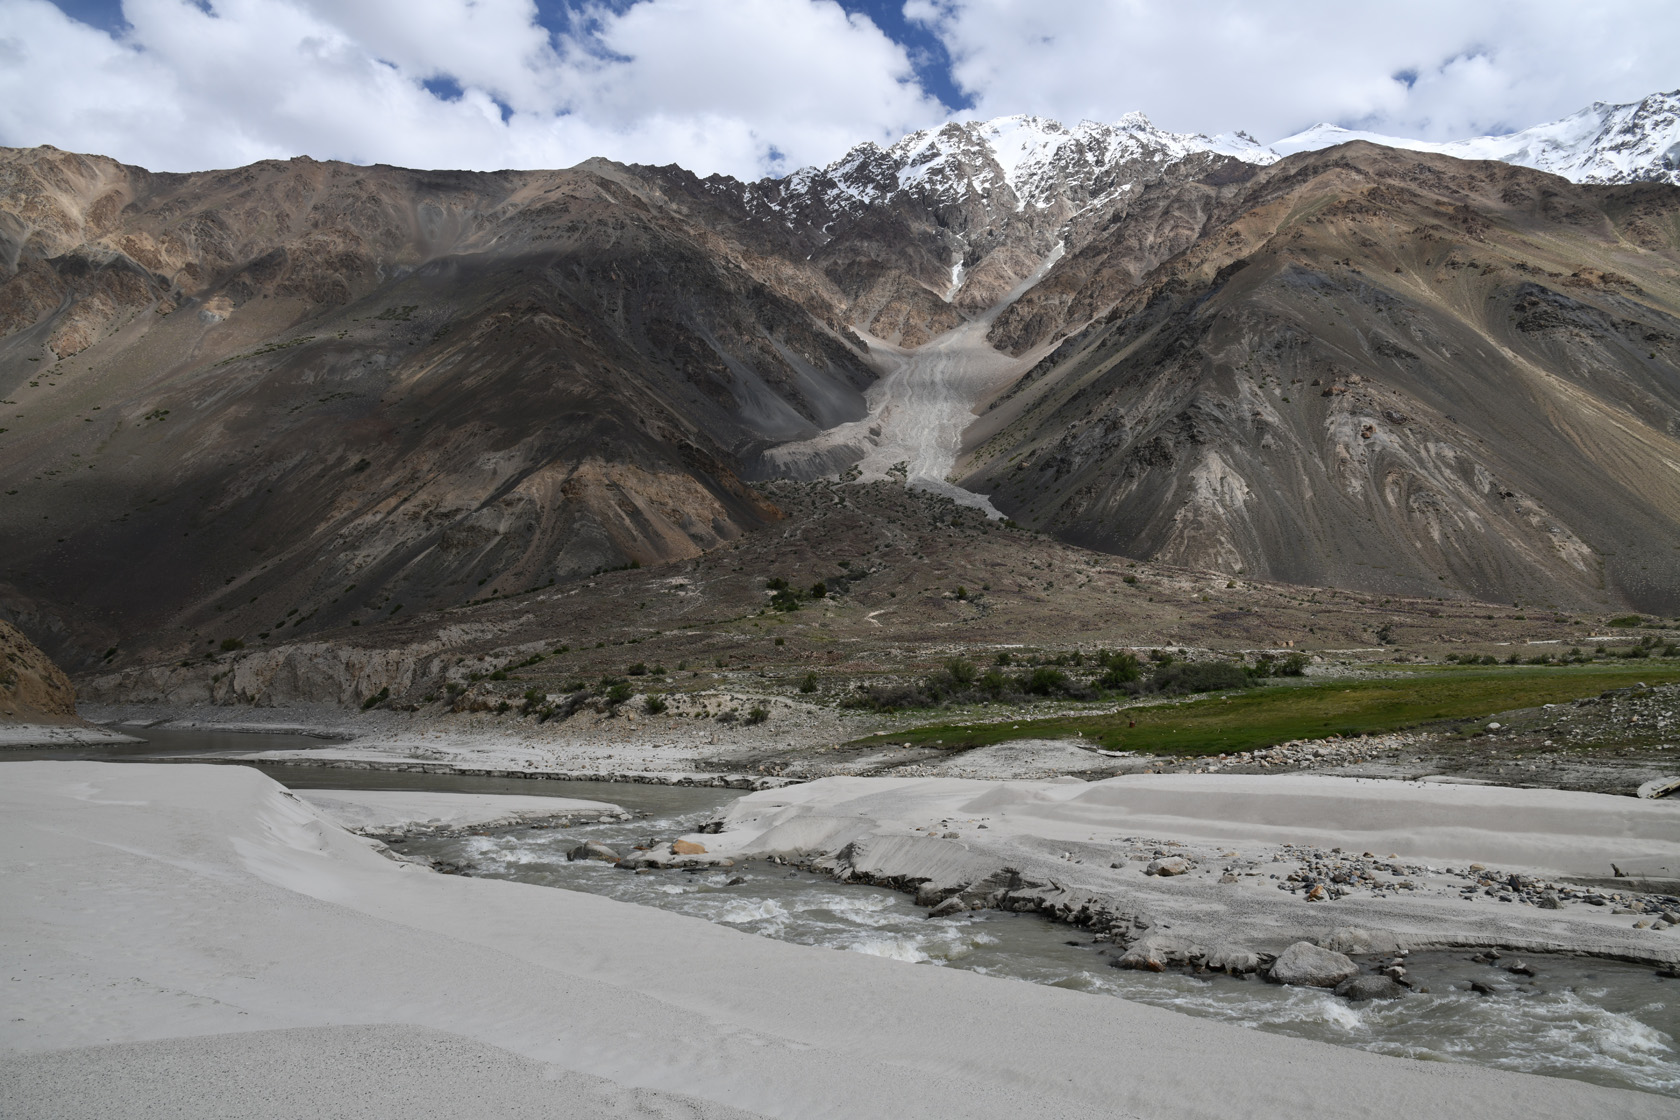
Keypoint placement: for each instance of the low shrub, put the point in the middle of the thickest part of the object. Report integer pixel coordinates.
(1198, 676)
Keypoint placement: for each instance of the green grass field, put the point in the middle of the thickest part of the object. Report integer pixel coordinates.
(1261, 717)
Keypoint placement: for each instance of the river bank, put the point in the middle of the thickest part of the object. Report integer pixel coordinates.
(162, 902)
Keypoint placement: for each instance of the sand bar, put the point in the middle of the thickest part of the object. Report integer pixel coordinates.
(377, 812)
(163, 908)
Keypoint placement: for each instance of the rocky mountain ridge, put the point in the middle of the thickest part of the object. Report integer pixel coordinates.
(298, 396)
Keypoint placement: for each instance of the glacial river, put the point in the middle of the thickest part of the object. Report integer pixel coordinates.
(1605, 1022)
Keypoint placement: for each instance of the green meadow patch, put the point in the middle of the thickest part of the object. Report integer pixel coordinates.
(1262, 717)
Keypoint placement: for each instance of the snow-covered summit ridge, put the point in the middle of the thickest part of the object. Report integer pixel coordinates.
(1010, 162)
(1015, 162)
(1636, 142)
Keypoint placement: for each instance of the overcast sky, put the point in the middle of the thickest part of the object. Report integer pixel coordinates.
(753, 87)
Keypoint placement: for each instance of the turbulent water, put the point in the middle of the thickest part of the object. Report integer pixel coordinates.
(1604, 1022)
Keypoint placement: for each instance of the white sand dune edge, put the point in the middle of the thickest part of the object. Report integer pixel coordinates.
(188, 903)
(380, 812)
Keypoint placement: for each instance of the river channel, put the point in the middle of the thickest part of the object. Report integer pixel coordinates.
(1600, 1021)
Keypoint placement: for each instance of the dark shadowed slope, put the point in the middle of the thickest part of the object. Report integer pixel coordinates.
(282, 392)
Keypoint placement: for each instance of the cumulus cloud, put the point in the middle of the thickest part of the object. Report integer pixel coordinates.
(740, 87)
(750, 87)
(1432, 69)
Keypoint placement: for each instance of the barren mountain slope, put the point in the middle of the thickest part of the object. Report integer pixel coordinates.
(910, 579)
(32, 688)
(294, 389)
(1373, 369)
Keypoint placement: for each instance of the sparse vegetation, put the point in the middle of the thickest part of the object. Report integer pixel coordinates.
(1264, 716)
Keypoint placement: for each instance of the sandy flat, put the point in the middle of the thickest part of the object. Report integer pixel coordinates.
(395, 811)
(1544, 830)
(59, 735)
(150, 903)
(1243, 836)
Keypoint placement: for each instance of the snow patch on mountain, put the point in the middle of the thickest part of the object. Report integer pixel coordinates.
(1636, 142)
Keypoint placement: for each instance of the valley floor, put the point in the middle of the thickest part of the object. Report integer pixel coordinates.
(194, 939)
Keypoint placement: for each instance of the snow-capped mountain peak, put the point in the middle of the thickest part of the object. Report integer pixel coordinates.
(1636, 142)
(1020, 160)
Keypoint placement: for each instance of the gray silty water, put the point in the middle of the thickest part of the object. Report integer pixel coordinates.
(167, 742)
(1600, 1021)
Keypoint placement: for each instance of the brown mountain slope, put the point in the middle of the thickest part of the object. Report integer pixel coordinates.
(32, 688)
(289, 391)
(1373, 369)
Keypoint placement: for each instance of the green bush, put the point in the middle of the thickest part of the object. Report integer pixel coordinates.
(637, 670)
(231, 644)
(1290, 665)
(961, 671)
(1045, 681)
(757, 714)
(379, 697)
(809, 684)
(1626, 620)
(654, 705)
(1119, 670)
(1199, 676)
(617, 693)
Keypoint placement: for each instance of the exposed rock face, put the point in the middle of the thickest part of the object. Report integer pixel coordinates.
(1373, 369)
(32, 688)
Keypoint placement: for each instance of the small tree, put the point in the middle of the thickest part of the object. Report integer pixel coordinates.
(961, 671)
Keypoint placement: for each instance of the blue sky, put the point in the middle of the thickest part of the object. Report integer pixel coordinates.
(754, 87)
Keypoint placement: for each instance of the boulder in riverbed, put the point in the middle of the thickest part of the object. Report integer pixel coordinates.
(1173, 865)
(594, 849)
(1360, 988)
(953, 905)
(687, 848)
(1306, 964)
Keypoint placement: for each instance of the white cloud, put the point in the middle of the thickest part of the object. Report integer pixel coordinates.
(713, 86)
(721, 85)
(1441, 69)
